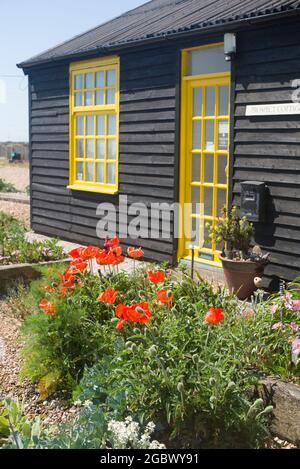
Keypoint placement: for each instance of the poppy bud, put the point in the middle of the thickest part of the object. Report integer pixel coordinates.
(180, 387)
(129, 344)
(212, 381)
(113, 320)
(140, 310)
(152, 350)
(136, 330)
(133, 347)
(195, 359)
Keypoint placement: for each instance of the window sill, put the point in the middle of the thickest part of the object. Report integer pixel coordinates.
(95, 189)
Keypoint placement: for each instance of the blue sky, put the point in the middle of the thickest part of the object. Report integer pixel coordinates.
(28, 28)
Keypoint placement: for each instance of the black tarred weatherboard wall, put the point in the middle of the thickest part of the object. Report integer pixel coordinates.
(262, 149)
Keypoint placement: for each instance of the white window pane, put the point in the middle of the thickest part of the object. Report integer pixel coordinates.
(79, 172)
(112, 149)
(101, 125)
(100, 79)
(223, 138)
(209, 168)
(90, 148)
(79, 148)
(210, 135)
(207, 60)
(90, 125)
(89, 98)
(89, 80)
(99, 98)
(78, 99)
(111, 174)
(100, 173)
(78, 82)
(196, 167)
(111, 78)
(110, 97)
(112, 124)
(90, 172)
(222, 169)
(224, 101)
(100, 149)
(80, 125)
(196, 200)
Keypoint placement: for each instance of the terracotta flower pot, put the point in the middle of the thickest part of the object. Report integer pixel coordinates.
(240, 276)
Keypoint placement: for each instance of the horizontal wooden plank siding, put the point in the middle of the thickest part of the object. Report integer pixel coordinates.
(268, 148)
(147, 150)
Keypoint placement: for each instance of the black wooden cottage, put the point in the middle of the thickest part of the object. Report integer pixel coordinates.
(147, 106)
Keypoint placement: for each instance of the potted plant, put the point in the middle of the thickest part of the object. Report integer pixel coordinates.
(243, 267)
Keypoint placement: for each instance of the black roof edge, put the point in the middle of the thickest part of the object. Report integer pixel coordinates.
(205, 27)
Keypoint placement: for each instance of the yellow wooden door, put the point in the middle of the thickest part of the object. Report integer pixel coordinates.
(204, 161)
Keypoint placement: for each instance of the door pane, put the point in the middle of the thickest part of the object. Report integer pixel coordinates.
(208, 201)
(210, 101)
(223, 100)
(209, 168)
(80, 125)
(223, 135)
(207, 60)
(90, 125)
(210, 135)
(197, 126)
(196, 200)
(222, 169)
(101, 125)
(196, 168)
(197, 105)
(221, 201)
(112, 124)
(78, 99)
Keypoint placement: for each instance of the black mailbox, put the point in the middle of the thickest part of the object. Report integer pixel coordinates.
(253, 201)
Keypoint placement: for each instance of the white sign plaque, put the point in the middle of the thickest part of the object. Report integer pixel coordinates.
(273, 109)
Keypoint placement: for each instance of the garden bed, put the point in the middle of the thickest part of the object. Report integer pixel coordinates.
(142, 346)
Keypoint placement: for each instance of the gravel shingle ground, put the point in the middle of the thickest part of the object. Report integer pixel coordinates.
(16, 174)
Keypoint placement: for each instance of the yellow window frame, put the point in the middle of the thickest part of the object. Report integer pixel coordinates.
(95, 110)
(187, 83)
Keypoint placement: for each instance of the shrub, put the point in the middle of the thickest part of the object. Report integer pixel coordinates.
(7, 187)
(15, 249)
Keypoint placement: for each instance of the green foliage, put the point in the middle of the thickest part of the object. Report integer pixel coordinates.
(16, 430)
(7, 187)
(15, 249)
(233, 232)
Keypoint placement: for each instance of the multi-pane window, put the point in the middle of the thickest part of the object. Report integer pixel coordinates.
(95, 125)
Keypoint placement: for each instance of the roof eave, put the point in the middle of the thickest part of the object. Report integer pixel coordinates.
(222, 27)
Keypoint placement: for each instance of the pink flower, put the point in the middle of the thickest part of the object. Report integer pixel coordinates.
(278, 325)
(274, 309)
(296, 305)
(296, 347)
(294, 327)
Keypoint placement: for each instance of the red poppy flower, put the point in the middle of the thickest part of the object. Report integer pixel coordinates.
(120, 325)
(214, 316)
(164, 298)
(76, 253)
(156, 277)
(138, 313)
(79, 265)
(117, 251)
(135, 253)
(89, 253)
(112, 243)
(109, 296)
(48, 307)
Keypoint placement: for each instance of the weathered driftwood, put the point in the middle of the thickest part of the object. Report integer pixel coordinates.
(285, 397)
(23, 272)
